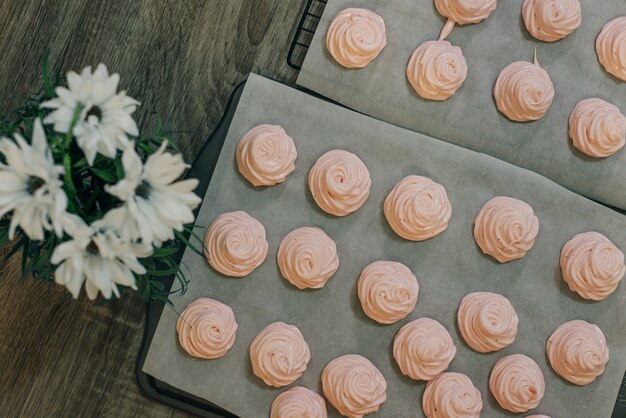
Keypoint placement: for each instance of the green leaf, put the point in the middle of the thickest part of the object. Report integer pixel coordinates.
(164, 252)
(119, 168)
(145, 293)
(162, 273)
(146, 148)
(170, 263)
(157, 285)
(42, 264)
(158, 130)
(4, 235)
(25, 253)
(183, 281)
(185, 241)
(194, 235)
(80, 163)
(47, 83)
(15, 248)
(170, 144)
(104, 175)
(165, 299)
(183, 264)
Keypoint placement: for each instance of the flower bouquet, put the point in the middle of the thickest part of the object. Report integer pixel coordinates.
(85, 198)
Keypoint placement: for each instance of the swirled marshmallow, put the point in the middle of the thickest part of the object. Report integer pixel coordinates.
(506, 228)
(611, 47)
(266, 155)
(235, 244)
(417, 208)
(487, 321)
(577, 351)
(355, 37)
(279, 354)
(551, 20)
(206, 328)
(597, 128)
(354, 386)
(451, 395)
(437, 69)
(517, 383)
(388, 291)
(423, 349)
(592, 265)
(523, 91)
(307, 258)
(298, 402)
(339, 182)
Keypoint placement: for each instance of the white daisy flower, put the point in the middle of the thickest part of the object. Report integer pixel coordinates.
(155, 204)
(104, 121)
(30, 185)
(95, 256)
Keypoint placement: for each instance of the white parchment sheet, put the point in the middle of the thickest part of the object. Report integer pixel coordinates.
(470, 118)
(447, 267)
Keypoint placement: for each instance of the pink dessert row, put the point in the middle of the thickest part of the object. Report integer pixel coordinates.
(417, 208)
(422, 349)
(523, 91)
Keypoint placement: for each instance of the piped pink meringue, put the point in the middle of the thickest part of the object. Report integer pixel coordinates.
(592, 265)
(451, 395)
(506, 228)
(437, 69)
(339, 182)
(597, 128)
(206, 328)
(551, 20)
(611, 47)
(307, 258)
(523, 91)
(577, 352)
(487, 321)
(235, 244)
(298, 402)
(388, 291)
(423, 349)
(355, 37)
(279, 354)
(266, 155)
(354, 386)
(466, 11)
(517, 383)
(417, 208)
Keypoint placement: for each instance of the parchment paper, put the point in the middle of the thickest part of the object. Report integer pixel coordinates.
(447, 267)
(470, 118)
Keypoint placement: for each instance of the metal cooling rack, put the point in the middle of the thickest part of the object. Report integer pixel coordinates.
(304, 32)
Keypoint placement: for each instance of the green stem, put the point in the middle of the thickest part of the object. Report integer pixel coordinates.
(69, 184)
(67, 159)
(68, 134)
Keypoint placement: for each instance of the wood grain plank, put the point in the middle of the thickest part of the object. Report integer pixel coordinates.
(181, 59)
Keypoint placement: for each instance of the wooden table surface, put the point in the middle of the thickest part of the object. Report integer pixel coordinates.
(181, 59)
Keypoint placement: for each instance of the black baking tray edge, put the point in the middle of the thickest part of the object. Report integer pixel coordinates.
(202, 169)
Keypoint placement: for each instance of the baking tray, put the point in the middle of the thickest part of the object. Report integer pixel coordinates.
(202, 169)
(471, 118)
